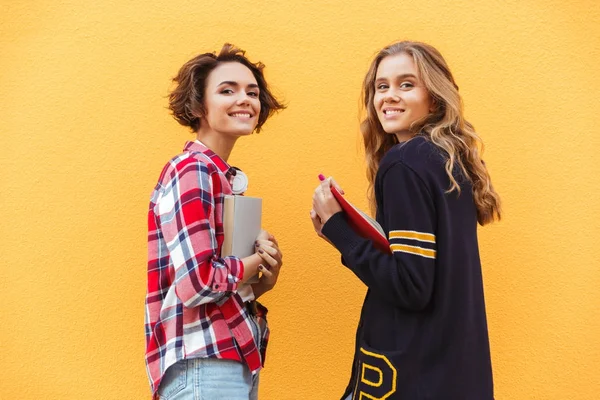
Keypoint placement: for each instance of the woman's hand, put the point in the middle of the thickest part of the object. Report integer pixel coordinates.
(324, 204)
(318, 225)
(264, 235)
(268, 249)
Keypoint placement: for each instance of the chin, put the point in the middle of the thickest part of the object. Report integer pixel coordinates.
(242, 132)
(391, 129)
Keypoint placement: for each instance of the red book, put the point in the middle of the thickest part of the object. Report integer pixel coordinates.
(362, 224)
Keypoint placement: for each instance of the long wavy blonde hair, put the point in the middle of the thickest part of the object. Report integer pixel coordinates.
(446, 127)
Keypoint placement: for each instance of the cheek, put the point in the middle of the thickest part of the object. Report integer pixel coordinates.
(256, 106)
(215, 108)
(377, 101)
(419, 103)
(426, 102)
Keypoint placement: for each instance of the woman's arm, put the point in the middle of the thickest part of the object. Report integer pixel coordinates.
(405, 277)
(186, 210)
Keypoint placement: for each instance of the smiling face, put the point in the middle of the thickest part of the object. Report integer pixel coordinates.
(231, 102)
(400, 97)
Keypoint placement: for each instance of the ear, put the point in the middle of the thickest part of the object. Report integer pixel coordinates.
(433, 105)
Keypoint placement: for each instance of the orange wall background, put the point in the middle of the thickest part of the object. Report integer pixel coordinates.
(85, 133)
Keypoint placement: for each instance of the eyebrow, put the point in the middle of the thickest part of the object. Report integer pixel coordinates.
(233, 83)
(403, 76)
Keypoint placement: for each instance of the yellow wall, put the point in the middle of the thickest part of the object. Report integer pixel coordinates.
(84, 134)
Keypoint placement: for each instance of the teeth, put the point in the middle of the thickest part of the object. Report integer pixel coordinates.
(392, 112)
(246, 115)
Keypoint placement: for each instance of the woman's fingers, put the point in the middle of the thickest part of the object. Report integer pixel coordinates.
(335, 184)
(317, 197)
(326, 187)
(324, 203)
(265, 243)
(266, 272)
(315, 218)
(263, 235)
(269, 247)
(323, 191)
(316, 221)
(275, 253)
(272, 239)
(268, 258)
(318, 203)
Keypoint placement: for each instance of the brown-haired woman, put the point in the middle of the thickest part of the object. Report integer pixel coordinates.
(423, 331)
(206, 335)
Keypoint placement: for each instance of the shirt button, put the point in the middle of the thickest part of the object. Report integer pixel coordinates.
(216, 286)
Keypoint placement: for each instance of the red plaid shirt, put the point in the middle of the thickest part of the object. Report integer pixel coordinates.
(192, 307)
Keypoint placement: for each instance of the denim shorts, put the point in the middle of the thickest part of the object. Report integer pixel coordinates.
(208, 379)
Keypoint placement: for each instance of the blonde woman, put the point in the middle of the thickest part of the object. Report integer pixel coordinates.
(422, 332)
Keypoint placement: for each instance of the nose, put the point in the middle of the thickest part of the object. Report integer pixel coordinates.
(243, 99)
(391, 97)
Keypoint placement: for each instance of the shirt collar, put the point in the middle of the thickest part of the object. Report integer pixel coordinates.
(200, 147)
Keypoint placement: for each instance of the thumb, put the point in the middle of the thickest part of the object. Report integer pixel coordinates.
(265, 271)
(335, 185)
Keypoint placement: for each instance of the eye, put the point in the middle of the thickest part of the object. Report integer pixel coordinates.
(382, 86)
(226, 91)
(253, 94)
(406, 85)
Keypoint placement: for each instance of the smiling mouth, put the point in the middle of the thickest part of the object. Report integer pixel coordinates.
(392, 112)
(241, 115)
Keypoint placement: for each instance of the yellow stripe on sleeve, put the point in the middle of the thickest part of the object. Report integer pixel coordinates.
(419, 251)
(422, 236)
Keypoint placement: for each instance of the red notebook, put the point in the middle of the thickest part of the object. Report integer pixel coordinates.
(364, 225)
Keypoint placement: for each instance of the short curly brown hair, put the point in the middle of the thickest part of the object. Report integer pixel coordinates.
(186, 101)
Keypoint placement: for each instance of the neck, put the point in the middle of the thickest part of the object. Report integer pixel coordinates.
(403, 136)
(221, 144)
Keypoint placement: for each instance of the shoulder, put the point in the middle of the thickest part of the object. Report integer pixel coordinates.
(186, 163)
(418, 154)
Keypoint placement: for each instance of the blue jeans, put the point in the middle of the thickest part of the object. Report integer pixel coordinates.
(208, 379)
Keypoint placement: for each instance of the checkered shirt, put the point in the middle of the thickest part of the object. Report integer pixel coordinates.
(192, 307)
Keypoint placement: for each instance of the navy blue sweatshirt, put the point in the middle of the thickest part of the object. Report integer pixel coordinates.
(422, 332)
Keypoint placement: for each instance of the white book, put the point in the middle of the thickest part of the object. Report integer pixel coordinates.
(242, 222)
